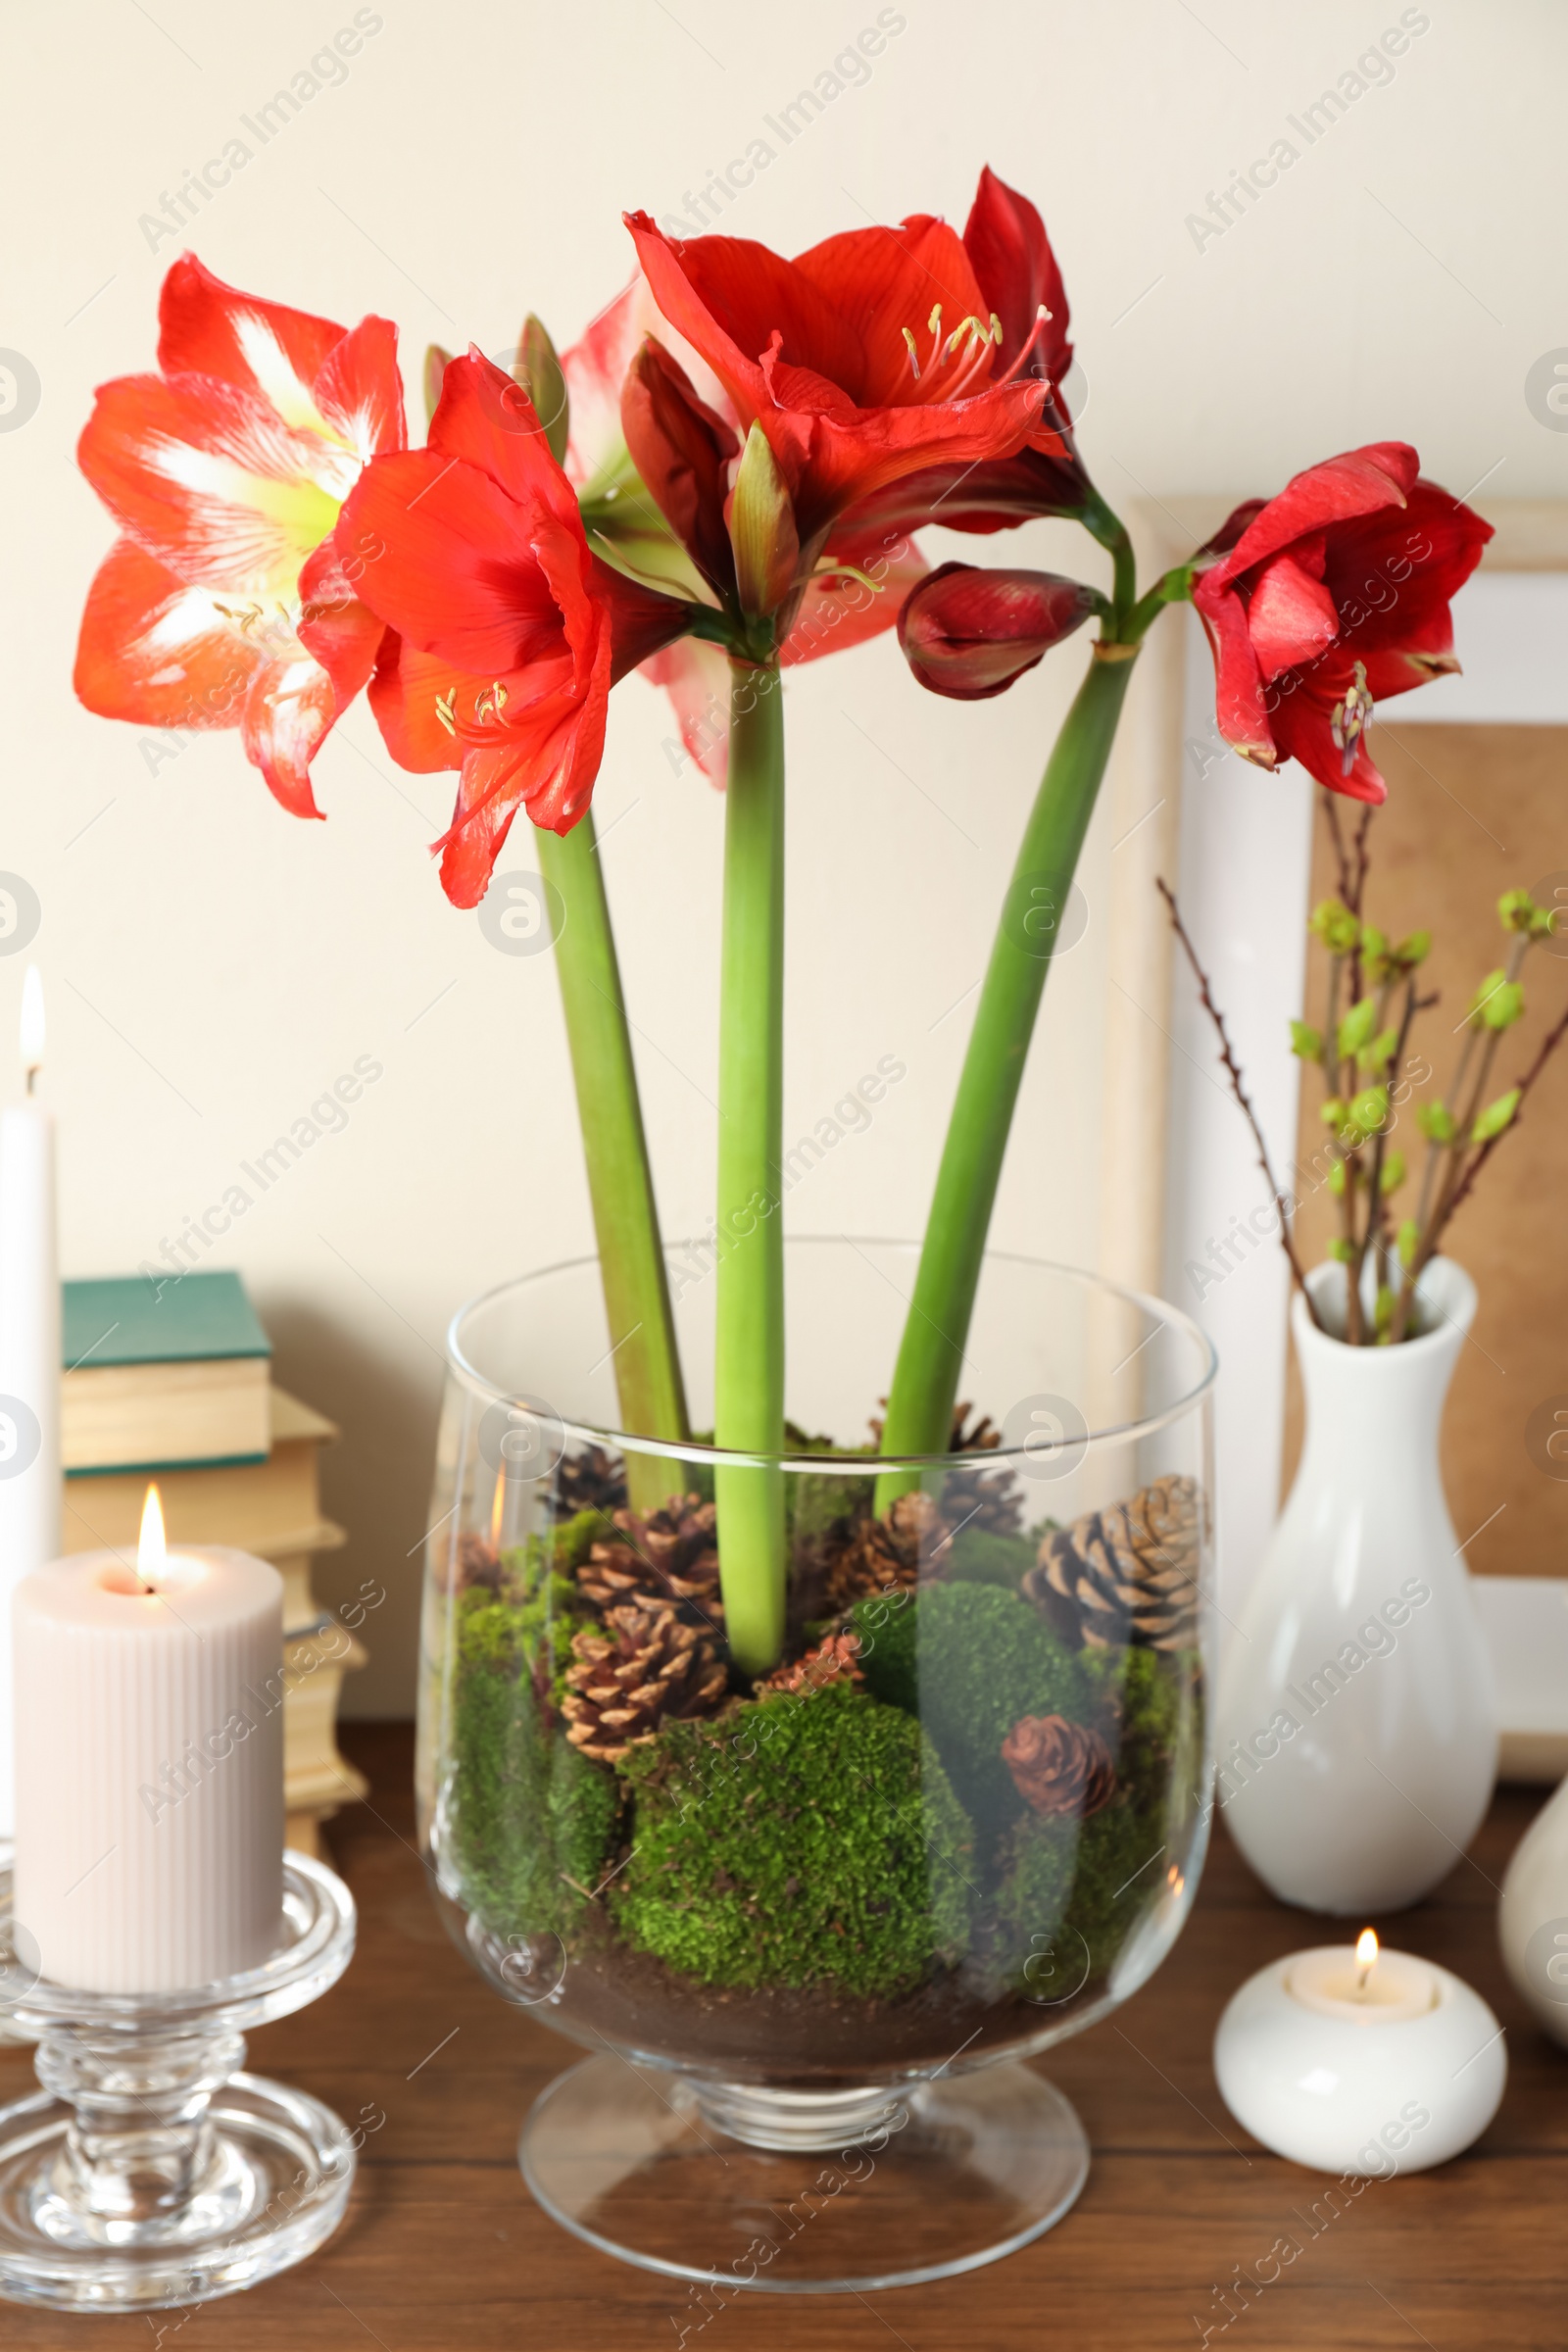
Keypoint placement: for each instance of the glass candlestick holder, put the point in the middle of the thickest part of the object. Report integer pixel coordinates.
(150, 2170)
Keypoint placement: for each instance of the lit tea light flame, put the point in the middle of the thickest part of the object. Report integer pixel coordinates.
(1367, 1959)
(152, 1548)
(32, 1024)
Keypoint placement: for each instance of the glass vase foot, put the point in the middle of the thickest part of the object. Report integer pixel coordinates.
(739, 2188)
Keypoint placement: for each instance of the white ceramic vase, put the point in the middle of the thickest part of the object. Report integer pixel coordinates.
(1533, 1917)
(1358, 1724)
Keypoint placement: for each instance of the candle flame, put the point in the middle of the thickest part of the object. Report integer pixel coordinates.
(152, 1550)
(32, 1023)
(498, 1511)
(1366, 1948)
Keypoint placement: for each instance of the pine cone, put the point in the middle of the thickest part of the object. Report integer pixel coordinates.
(591, 1481)
(832, 1661)
(984, 1498)
(987, 1499)
(478, 1563)
(1127, 1575)
(873, 1555)
(668, 1558)
(644, 1669)
(1059, 1768)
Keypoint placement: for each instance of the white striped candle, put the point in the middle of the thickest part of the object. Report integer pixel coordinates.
(149, 1767)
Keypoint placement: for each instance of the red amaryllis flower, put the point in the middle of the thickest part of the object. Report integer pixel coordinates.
(1021, 284)
(969, 634)
(508, 631)
(1329, 598)
(652, 436)
(866, 359)
(224, 473)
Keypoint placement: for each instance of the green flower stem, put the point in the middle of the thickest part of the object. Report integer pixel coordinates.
(925, 1382)
(749, 1359)
(621, 1182)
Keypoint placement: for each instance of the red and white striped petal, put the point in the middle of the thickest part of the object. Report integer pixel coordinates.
(158, 652)
(287, 714)
(360, 392)
(595, 370)
(839, 610)
(210, 481)
(263, 348)
(696, 677)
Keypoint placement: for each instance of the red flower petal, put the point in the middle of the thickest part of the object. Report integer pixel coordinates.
(839, 610)
(878, 281)
(1360, 482)
(1301, 728)
(287, 714)
(729, 296)
(263, 347)
(157, 651)
(1005, 240)
(549, 769)
(798, 346)
(360, 392)
(488, 420)
(682, 451)
(1290, 616)
(458, 573)
(1238, 706)
(595, 369)
(696, 677)
(208, 479)
(342, 634)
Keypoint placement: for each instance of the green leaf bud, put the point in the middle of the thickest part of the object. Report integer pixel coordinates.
(1358, 1025)
(1495, 1117)
(1335, 925)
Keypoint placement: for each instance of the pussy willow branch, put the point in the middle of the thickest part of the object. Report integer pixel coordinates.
(1548, 1045)
(1353, 864)
(1233, 1072)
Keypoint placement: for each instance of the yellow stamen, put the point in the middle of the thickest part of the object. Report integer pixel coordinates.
(443, 711)
(915, 363)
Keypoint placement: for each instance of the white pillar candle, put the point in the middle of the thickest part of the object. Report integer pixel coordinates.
(29, 1357)
(149, 1841)
(1360, 2062)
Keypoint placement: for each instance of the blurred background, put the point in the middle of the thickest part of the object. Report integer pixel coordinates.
(213, 965)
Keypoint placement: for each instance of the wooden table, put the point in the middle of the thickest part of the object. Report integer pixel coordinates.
(443, 2247)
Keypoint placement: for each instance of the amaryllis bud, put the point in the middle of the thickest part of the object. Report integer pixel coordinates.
(969, 633)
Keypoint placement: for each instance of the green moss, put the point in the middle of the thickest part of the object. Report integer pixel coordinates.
(572, 1542)
(1066, 1881)
(798, 1841)
(1073, 1891)
(970, 1660)
(528, 1814)
(981, 1557)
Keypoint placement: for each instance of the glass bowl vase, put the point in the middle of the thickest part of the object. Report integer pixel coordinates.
(810, 1926)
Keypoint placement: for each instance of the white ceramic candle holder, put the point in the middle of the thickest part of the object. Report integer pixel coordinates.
(1396, 2082)
(149, 2171)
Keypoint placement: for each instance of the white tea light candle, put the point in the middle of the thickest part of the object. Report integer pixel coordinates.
(29, 1354)
(148, 1840)
(1354, 2060)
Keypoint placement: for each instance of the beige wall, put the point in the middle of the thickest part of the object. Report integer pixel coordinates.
(213, 965)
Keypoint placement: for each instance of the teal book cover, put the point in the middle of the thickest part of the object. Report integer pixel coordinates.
(129, 1320)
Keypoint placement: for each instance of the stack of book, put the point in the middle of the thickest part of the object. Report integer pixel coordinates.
(172, 1381)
